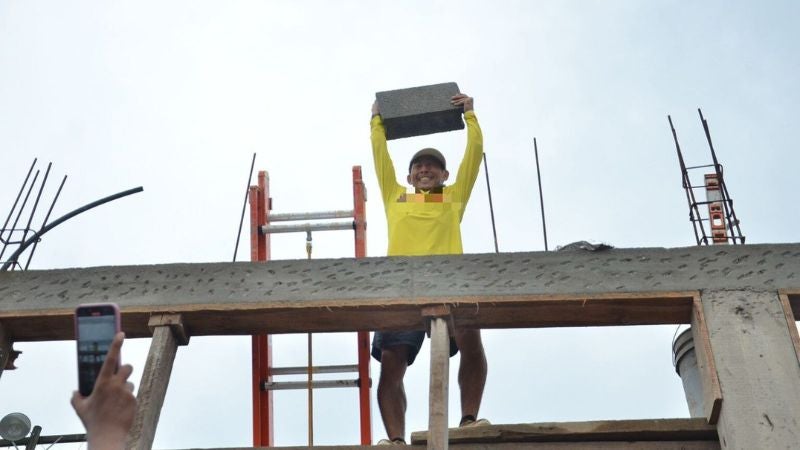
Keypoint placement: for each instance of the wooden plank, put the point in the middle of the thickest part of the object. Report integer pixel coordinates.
(607, 430)
(594, 445)
(439, 382)
(709, 379)
(231, 318)
(153, 387)
(793, 296)
(791, 322)
(5, 349)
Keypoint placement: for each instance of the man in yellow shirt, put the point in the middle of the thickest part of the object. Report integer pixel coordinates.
(426, 222)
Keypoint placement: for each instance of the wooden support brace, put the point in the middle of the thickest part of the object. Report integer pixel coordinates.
(709, 379)
(168, 333)
(438, 318)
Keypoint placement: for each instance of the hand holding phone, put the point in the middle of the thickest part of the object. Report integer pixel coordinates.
(109, 411)
(95, 327)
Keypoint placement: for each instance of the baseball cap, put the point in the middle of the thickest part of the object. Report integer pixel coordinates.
(432, 152)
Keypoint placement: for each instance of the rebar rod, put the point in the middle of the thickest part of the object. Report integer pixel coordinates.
(541, 195)
(727, 202)
(687, 188)
(19, 214)
(244, 207)
(36, 202)
(14, 256)
(46, 218)
(13, 207)
(491, 206)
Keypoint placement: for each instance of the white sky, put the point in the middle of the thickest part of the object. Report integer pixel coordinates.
(176, 96)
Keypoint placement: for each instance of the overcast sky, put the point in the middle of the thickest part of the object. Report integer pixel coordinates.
(177, 96)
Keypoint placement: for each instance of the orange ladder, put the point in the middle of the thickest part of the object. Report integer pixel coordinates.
(261, 227)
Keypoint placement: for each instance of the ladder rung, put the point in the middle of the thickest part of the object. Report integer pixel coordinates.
(320, 384)
(323, 215)
(294, 228)
(315, 369)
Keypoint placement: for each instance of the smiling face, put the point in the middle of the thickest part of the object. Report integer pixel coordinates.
(427, 173)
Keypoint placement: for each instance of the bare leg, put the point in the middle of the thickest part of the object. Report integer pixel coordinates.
(391, 395)
(472, 371)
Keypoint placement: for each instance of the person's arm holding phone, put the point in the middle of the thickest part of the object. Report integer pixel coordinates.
(107, 413)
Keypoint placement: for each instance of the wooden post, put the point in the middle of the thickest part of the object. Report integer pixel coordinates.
(757, 366)
(5, 349)
(168, 333)
(439, 320)
(709, 379)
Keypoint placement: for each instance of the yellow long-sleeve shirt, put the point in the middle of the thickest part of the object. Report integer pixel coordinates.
(426, 224)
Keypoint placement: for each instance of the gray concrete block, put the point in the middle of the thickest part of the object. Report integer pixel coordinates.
(419, 110)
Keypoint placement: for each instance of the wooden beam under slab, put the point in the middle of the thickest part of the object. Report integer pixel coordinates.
(594, 445)
(520, 311)
(606, 430)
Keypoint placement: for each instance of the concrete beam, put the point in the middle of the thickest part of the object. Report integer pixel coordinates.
(576, 288)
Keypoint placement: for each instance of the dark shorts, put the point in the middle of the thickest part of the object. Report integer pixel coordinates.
(411, 339)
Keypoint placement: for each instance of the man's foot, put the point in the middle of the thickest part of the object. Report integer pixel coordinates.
(395, 441)
(469, 422)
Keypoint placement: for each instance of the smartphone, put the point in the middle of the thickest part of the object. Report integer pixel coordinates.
(95, 327)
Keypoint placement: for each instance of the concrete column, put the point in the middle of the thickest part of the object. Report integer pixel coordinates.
(758, 371)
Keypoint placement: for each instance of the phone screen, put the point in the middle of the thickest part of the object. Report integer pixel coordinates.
(96, 330)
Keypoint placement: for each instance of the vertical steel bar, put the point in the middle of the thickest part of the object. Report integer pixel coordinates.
(19, 214)
(541, 195)
(727, 203)
(244, 207)
(491, 205)
(14, 206)
(46, 218)
(687, 186)
(36, 202)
